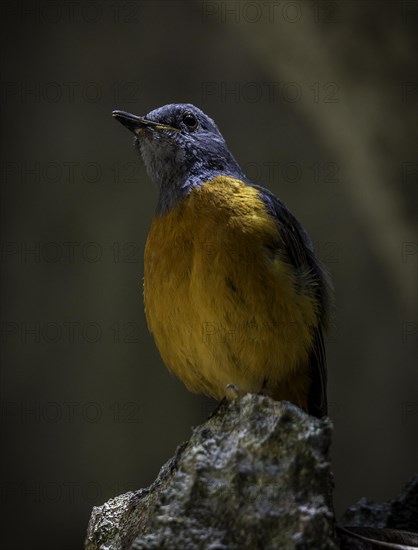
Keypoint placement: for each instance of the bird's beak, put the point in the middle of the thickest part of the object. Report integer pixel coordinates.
(137, 124)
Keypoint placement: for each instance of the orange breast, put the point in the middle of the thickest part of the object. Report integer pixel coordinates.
(223, 309)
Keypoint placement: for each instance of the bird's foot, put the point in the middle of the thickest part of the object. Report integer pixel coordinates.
(232, 392)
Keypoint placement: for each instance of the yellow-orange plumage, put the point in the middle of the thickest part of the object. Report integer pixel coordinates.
(220, 302)
(233, 291)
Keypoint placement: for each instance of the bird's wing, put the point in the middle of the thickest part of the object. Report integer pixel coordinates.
(317, 397)
(296, 248)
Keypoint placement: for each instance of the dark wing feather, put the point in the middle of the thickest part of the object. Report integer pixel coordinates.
(296, 248)
(372, 538)
(317, 398)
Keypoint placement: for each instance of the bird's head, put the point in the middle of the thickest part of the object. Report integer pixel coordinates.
(181, 148)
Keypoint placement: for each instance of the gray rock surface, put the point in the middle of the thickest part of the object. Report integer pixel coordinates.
(394, 522)
(400, 513)
(254, 475)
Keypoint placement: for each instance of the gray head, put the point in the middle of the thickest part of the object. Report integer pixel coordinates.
(181, 148)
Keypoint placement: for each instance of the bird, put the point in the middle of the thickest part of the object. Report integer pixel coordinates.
(234, 295)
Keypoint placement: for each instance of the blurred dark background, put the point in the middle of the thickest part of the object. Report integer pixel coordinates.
(317, 101)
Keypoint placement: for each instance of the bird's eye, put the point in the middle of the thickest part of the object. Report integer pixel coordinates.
(190, 120)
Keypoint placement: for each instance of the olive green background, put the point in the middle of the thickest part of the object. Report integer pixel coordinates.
(316, 101)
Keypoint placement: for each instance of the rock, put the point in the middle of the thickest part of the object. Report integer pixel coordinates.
(400, 513)
(255, 475)
(395, 521)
